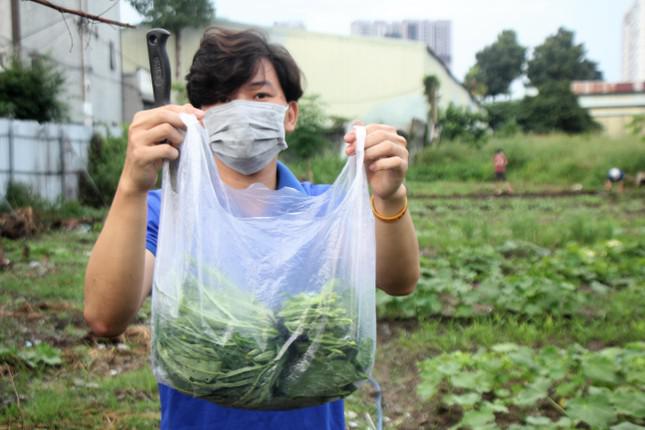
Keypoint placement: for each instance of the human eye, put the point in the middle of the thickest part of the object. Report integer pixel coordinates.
(262, 96)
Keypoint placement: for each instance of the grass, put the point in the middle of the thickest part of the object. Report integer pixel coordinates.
(108, 384)
(549, 222)
(541, 160)
(125, 401)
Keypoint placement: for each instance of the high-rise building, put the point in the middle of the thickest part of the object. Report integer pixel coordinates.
(634, 43)
(435, 34)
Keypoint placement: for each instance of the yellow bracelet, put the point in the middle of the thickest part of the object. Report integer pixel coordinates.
(389, 219)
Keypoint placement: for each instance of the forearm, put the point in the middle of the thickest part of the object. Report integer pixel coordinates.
(114, 277)
(397, 249)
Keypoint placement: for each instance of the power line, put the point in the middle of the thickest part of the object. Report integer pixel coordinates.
(81, 13)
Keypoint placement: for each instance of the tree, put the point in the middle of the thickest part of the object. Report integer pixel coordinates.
(558, 59)
(463, 125)
(308, 139)
(473, 82)
(499, 64)
(503, 116)
(431, 86)
(175, 15)
(32, 91)
(555, 108)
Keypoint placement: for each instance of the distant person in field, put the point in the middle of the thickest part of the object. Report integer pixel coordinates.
(499, 163)
(615, 176)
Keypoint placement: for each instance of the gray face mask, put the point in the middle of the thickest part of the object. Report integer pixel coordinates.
(246, 135)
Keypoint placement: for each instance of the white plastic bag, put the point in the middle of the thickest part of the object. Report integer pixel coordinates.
(263, 299)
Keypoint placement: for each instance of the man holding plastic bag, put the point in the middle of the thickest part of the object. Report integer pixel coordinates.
(262, 286)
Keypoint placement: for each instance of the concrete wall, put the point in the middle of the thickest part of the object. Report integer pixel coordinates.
(614, 111)
(87, 53)
(615, 121)
(374, 79)
(47, 157)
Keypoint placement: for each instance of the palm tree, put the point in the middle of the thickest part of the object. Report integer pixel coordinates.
(431, 86)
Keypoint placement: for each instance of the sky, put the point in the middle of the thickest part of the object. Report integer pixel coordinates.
(475, 23)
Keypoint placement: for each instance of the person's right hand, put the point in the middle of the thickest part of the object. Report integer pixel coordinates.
(153, 136)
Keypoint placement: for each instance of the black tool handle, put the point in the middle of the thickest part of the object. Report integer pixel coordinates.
(159, 65)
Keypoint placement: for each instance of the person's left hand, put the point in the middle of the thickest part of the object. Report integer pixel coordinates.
(386, 159)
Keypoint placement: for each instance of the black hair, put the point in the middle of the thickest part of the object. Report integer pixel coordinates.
(227, 59)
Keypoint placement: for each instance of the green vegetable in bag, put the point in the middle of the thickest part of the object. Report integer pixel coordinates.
(232, 350)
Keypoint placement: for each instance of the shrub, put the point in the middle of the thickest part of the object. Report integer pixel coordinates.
(555, 108)
(32, 92)
(460, 124)
(20, 195)
(105, 162)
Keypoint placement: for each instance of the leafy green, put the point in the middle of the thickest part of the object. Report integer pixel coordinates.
(592, 388)
(520, 278)
(40, 355)
(233, 350)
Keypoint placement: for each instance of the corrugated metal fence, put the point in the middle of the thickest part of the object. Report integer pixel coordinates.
(48, 157)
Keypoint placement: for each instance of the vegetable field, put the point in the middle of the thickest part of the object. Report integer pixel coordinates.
(530, 314)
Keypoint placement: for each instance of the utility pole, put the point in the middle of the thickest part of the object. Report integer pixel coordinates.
(15, 27)
(85, 80)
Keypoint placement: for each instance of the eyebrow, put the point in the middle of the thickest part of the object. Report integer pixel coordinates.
(260, 84)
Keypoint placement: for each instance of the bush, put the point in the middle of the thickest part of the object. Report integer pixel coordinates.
(105, 162)
(450, 162)
(555, 108)
(502, 117)
(19, 195)
(31, 92)
(460, 124)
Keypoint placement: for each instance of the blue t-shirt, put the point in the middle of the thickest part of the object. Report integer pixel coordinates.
(182, 412)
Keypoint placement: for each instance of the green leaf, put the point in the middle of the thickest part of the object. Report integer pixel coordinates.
(468, 399)
(428, 386)
(505, 347)
(570, 388)
(592, 410)
(564, 422)
(476, 380)
(533, 393)
(539, 421)
(627, 426)
(600, 369)
(629, 401)
(477, 419)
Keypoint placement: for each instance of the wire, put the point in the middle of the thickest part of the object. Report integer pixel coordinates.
(378, 400)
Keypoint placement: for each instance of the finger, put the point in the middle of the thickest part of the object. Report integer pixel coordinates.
(164, 132)
(152, 117)
(385, 149)
(375, 127)
(186, 108)
(397, 145)
(390, 163)
(193, 110)
(350, 136)
(149, 154)
(382, 134)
